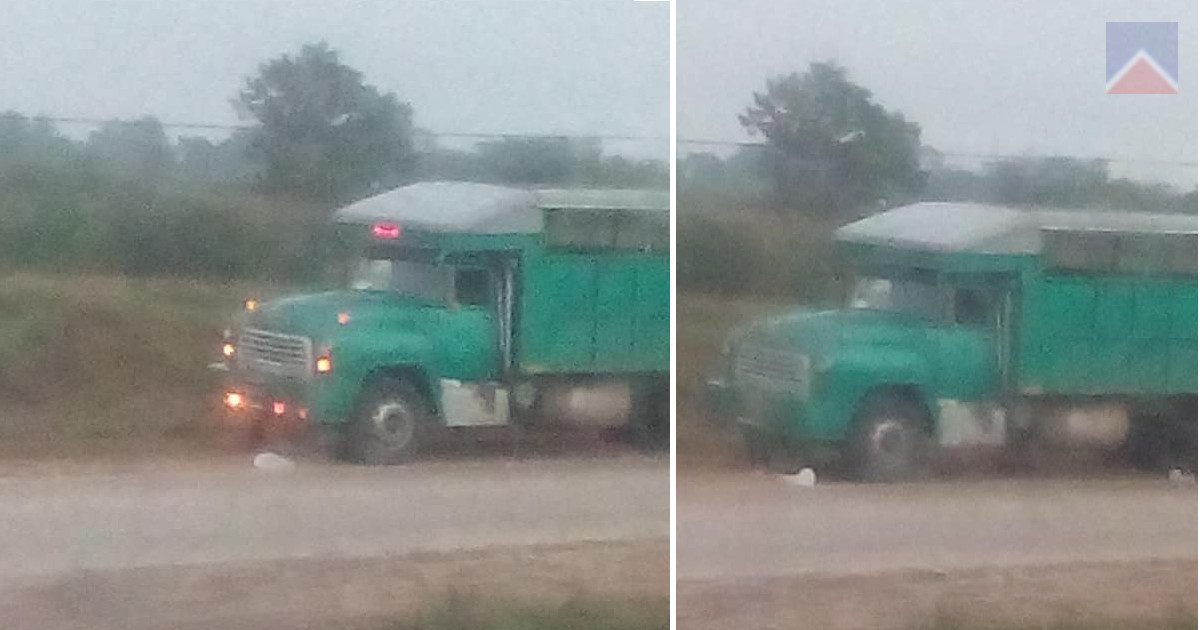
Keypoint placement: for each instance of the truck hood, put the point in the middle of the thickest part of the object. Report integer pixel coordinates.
(316, 314)
(817, 332)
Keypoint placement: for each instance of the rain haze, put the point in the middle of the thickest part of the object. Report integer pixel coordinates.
(215, 213)
(594, 68)
(980, 78)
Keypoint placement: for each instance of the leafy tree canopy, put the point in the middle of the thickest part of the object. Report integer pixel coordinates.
(833, 146)
(323, 132)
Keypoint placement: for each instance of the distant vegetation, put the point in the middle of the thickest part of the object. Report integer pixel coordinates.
(128, 199)
(758, 222)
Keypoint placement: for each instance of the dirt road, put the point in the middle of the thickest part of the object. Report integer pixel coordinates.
(218, 544)
(755, 551)
(750, 524)
(159, 515)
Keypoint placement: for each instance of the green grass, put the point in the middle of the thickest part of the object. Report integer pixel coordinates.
(736, 264)
(1174, 620)
(467, 612)
(703, 323)
(108, 357)
(756, 253)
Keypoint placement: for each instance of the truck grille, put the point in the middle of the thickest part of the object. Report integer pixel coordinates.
(274, 353)
(774, 369)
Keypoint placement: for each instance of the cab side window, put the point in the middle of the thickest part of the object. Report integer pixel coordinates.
(972, 307)
(473, 286)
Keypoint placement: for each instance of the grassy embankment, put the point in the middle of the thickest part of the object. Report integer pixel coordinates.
(463, 613)
(473, 613)
(92, 359)
(734, 267)
(1178, 620)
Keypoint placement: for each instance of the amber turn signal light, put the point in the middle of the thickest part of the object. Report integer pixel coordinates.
(324, 365)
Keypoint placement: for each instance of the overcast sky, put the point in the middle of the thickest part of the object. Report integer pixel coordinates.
(978, 76)
(598, 67)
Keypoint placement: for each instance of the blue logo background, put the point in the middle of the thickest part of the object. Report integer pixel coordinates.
(1159, 39)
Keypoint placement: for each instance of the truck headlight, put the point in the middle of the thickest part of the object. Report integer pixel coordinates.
(324, 364)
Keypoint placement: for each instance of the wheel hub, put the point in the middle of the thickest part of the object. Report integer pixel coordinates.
(888, 438)
(393, 422)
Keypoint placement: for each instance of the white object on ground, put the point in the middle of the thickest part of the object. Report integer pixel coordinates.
(271, 461)
(806, 478)
(1176, 475)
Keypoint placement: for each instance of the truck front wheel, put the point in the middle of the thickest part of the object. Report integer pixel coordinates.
(387, 420)
(889, 443)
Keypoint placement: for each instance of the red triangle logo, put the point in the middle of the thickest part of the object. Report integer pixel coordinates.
(1142, 78)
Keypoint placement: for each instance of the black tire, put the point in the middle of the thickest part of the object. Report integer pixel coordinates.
(388, 419)
(1160, 442)
(650, 426)
(1147, 447)
(890, 441)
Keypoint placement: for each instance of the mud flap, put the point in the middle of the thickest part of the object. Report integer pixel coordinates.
(474, 404)
(971, 424)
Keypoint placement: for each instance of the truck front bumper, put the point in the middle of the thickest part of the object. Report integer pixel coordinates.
(250, 398)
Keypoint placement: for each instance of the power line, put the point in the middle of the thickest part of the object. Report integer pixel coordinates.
(1126, 160)
(480, 135)
(978, 156)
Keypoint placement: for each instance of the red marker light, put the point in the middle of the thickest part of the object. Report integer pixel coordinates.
(278, 408)
(385, 230)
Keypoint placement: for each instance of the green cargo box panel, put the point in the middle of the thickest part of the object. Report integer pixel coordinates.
(1103, 334)
(632, 315)
(589, 313)
(555, 319)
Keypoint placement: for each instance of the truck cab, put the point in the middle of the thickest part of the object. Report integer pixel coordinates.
(977, 326)
(469, 305)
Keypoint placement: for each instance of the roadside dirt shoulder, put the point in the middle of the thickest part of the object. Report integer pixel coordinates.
(1133, 595)
(315, 593)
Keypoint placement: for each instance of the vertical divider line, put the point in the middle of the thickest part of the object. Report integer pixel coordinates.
(674, 212)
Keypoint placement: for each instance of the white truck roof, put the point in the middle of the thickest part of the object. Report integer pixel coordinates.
(490, 209)
(994, 229)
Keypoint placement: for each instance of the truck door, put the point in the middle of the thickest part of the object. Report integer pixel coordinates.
(987, 302)
(487, 284)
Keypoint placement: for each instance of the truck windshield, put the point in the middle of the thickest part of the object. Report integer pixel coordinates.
(419, 279)
(908, 296)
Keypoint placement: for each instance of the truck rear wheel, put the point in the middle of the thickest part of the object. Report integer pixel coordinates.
(889, 442)
(388, 418)
(650, 424)
(1164, 440)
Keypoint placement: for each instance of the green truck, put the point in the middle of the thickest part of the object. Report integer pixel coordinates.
(979, 326)
(469, 305)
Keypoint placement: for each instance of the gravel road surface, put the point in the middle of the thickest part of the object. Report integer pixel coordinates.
(167, 515)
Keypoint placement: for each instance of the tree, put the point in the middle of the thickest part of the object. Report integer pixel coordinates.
(1049, 181)
(323, 133)
(830, 146)
(530, 160)
(201, 161)
(135, 150)
(26, 143)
